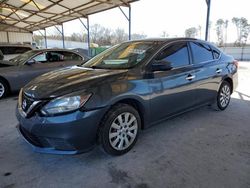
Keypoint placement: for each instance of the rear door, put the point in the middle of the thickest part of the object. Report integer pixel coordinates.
(207, 70)
(174, 90)
(71, 58)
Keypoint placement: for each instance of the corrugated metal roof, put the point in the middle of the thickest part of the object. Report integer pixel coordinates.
(32, 15)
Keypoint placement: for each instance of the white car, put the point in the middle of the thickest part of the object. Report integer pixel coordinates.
(10, 51)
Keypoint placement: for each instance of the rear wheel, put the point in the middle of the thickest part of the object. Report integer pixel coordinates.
(119, 131)
(223, 96)
(3, 89)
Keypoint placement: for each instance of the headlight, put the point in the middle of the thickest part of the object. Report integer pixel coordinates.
(64, 104)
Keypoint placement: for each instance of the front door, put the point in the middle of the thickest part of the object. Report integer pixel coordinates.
(208, 71)
(173, 90)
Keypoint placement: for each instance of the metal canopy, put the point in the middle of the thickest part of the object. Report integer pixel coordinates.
(32, 15)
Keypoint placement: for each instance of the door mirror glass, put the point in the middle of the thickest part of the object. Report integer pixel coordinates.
(161, 65)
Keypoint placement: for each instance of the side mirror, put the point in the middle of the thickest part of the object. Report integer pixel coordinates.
(30, 62)
(161, 65)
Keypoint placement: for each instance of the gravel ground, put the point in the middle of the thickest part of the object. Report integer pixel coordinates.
(202, 148)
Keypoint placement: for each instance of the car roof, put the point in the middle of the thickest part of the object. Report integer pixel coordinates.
(57, 49)
(52, 49)
(168, 40)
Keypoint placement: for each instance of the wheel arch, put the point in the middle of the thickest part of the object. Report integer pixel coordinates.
(6, 81)
(135, 104)
(230, 81)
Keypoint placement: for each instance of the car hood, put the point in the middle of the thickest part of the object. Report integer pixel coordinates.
(68, 80)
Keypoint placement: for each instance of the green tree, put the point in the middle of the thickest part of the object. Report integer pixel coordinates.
(100, 35)
(191, 32)
(221, 27)
(164, 34)
(119, 36)
(243, 29)
(137, 36)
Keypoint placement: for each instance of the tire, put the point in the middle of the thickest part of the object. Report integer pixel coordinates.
(223, 97)
(4, 89)
(116, 136)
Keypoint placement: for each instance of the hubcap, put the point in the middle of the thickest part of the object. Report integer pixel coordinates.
(123, 131)
(2, 89)
(225, 96)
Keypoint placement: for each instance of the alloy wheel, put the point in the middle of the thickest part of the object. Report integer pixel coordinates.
(123, 131)
(2, 89)
(224, 97)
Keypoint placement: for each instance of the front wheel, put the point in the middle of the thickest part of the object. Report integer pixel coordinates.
(119, 131)
(223, 96)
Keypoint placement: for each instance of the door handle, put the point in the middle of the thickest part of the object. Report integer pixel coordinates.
(190, 77)
(218, 71)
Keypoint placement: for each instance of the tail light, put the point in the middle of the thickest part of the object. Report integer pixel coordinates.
(236, 63)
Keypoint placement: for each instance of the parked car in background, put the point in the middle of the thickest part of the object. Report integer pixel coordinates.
(81, 51)
(12, 50)
(1, 55)
(18, 71)
(128, 87)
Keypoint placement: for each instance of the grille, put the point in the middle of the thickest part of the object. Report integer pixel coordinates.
(43, 142)
(26, 103)
(60, 144)
(29, 105)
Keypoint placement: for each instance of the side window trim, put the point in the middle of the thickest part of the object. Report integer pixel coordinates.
(82, 58)
(215, 49)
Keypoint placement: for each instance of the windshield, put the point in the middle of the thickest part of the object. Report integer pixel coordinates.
(123, 56)
(20, 59)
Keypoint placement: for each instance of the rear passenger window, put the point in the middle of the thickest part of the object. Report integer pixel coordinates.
(201, 52)
(69, 56)
(177, 54)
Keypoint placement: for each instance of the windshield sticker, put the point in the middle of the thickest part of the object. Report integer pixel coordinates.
(115, 61)
(137, 51)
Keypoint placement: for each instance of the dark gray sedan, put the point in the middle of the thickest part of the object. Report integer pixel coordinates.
(17, 72)
(129, 87)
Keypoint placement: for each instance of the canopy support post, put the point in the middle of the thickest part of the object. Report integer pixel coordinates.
(88, 37)
(129, 33)
(63, 36)
(62, 33)
(45, 38)
(8, 37)
(208, 18)
(128, 19)
(88, 33)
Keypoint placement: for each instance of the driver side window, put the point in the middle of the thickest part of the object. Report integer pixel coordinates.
(176, 54)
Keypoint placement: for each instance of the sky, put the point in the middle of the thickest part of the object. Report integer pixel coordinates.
(152, 17)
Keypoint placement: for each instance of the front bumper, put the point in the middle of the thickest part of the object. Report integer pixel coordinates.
(66, 134)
